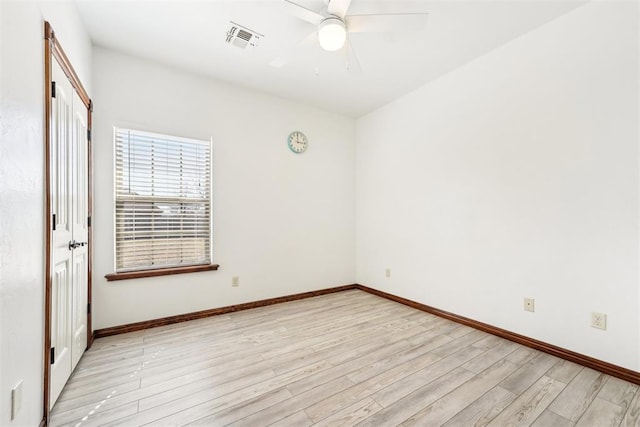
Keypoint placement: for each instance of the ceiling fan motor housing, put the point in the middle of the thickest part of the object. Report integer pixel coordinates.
(332, 33)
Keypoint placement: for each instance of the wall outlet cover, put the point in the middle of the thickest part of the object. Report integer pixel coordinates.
(599, 321)
(529, 304)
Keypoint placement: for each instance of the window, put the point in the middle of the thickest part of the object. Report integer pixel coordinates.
(162, 201)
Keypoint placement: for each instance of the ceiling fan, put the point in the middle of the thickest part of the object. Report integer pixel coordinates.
(333, 24)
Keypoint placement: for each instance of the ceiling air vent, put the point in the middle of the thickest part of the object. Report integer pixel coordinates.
(242, 37)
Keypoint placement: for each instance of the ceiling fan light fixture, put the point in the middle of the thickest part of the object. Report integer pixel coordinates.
(332, 34)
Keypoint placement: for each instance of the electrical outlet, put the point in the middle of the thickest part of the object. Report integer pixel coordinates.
(599, 320)
(16, 400)
(529, 304)
(387, 272)
(235, 281)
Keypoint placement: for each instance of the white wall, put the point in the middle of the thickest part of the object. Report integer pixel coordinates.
(516, 176)
(22, 190)
(284, 223)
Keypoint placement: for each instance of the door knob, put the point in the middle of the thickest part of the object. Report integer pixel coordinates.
(73, 244)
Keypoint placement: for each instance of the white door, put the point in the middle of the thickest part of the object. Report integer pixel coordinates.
(69, 205)
(80, 207)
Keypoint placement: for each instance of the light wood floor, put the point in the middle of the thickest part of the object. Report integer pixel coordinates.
(340, 359)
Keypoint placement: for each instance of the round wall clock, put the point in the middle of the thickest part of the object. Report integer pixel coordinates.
(297, 142)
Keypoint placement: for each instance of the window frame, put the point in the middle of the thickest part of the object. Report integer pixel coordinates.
(161, 270)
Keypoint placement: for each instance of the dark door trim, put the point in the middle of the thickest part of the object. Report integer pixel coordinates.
(53, 51)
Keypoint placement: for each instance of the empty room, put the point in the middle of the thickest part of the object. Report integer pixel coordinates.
(320, 212)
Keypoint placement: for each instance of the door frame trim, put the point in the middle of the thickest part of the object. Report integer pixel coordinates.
(53, 51)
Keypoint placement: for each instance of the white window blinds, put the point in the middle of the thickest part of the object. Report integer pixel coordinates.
(163, 201)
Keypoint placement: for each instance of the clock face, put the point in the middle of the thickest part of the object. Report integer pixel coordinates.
(297, 142)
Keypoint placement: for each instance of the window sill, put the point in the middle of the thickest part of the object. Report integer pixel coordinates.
(159, 272)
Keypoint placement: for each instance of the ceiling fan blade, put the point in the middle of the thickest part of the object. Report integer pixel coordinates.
(303, 13)
(351, 60)
(387, 23)
(288, 56)
(338, 7)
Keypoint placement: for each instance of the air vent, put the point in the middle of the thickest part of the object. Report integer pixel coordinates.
(242, 37)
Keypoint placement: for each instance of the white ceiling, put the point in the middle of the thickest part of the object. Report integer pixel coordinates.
(191, 35)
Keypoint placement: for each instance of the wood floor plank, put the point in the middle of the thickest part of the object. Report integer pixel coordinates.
(166, 392)
(530, 404)
(601, 413)
(66, 403)
(618, 392)
(445, 408)
(579, 394)
(211, 400)
(522, 355)
(564, 371)
(205, 415)
(99, 360)
(432, 330)
(361, 344)
(345, 368)
(104, 387)
(163, 363)
(484, 409)
(314, 342)
(216, 342)
(632, 416)
(112, 344)
(351, 415)
(489, 342)
(492, 355)
(102, 417)
(417, 400)
(460, 343)
(364, 346)
(529, 373)
(432, 322)
(403, 385)
(199, 363)
(372, 369)
(79, 413)
(296, 403)
(461, 331)
(229, 392)
(297, 419)
(551, 419)
(338, 359)
(348, 396)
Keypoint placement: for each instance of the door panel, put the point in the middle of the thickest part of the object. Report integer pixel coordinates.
(79, 309)
(80, 197)
(61, 283)
(60, 160)
(60, 326)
